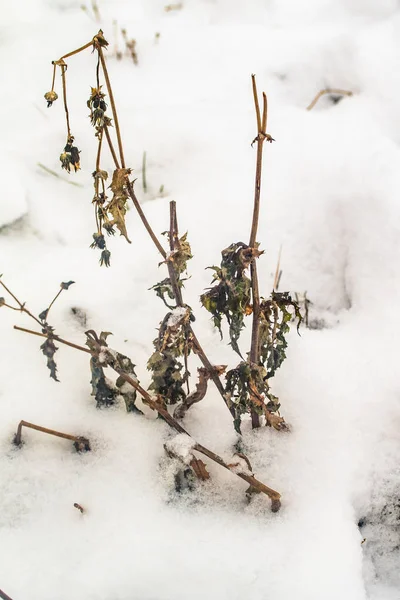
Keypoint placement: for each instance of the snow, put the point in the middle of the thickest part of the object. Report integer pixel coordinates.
(181, 446)
(178, 313)
(330, 198)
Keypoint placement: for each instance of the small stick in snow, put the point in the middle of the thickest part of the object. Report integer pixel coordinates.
(328, 91)
(81, 444)
(262, 135)
(79, 507)
(4, 595)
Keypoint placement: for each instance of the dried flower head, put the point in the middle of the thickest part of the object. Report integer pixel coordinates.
(50, 97)
(97, 107)
(70, 156)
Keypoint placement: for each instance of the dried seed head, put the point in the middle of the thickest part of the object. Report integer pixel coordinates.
(2, 301)
(70, 156)
(50, 97)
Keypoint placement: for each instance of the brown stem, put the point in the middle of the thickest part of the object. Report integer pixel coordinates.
(112, 102)
(145, 221)
(88, 45)
(261, 137)
(328, 91)
(52, 302)
(74, 438)
(64, 87)
(53, 337)
(110, 145)
(4, 595)
(173, 423)
(99, 151)
(54, 75)
(250, 479)
(20, 304)
(173, 235)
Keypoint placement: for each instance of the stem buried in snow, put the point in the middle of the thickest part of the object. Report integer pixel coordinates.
(81, 444)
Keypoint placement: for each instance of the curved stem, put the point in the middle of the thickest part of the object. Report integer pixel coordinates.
(112, 102)
(64, 87)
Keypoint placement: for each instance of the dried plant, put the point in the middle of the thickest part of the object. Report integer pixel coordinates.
(234, 295)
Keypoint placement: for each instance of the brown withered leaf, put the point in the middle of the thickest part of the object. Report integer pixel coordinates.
(118, 210)
(199, 469)
(119, 180)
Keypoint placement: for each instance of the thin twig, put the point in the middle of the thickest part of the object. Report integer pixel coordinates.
(53, 337)
(261, 137)
(51, 172)
(52, 302)
(328, 91)
(4, 595)
(110, 145)
(144, 179)
(21, 305)
(64, 87)
(112, 102)
(54, 75)
(278, 271)
(251, 480)
(80, 441)
(145, 221)
(88, 45)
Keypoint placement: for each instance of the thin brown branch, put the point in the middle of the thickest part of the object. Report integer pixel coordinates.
(53, 337)
(256, 104)
(278, 271)
(88, 45)
(112, 102)
(64, 87)
(80, 442)
(110, 145)
(250, 479)
(99, 151)
(54, 75)
(21, 305)
(4, 596)
(261, 137)
(52, 302)
(328, 91)
(145, 221)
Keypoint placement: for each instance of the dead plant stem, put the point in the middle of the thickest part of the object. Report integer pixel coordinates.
(111, 146)
(112, 102)
(261, 136)
(64, 87)
(173, 423)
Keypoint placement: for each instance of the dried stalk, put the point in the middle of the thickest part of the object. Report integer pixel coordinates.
(21, 305)
(63, 67)
(4, 595)
(328, 91)
(173, 423)
(81, 443)
(260, 139)
(112, 102)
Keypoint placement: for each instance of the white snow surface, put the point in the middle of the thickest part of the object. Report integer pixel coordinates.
(330, 199)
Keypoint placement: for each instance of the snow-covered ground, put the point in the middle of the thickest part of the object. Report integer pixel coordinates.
(330, 198)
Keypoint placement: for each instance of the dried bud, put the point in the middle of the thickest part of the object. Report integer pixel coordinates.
(2, 302)
(50, 97)
(105, 258)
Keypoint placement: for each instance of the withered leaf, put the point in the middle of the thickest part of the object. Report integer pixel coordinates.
(199, 469)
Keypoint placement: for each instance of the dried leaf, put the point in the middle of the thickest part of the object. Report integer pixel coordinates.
(199, 469)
